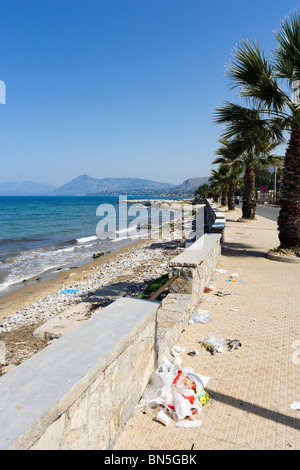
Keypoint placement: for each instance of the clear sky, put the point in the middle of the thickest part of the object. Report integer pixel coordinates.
(119, 88)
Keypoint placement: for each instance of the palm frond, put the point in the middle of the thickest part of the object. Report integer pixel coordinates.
(287, 54)
(251, 72)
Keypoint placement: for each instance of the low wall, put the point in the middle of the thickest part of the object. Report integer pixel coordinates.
(78, 392)
(196, 266)
(216, 221)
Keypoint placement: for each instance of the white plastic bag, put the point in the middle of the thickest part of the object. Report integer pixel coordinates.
(178, 390)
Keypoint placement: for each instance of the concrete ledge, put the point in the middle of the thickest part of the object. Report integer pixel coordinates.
(196, 266)
(43, 389)
(215, 219)
(197, 252)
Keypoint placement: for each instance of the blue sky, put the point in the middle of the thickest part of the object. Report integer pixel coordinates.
(119, 88)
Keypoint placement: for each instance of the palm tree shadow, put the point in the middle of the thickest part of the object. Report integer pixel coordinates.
(260, 411)
(241, 250)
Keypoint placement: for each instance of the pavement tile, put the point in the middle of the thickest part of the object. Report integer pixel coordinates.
(252, 387)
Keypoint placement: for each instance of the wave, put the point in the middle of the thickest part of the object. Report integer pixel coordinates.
(86, 239)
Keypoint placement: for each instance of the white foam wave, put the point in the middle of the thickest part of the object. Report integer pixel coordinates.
(86, 239)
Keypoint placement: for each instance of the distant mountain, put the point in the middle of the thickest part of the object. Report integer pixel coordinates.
(25, 188)
(84, 185)
(193, 183)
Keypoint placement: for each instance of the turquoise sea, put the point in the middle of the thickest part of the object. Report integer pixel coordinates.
(41, 235)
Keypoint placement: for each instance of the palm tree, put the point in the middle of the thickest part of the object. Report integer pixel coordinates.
(229, 172)
(268, 85)
(218, 178)
(249, 144)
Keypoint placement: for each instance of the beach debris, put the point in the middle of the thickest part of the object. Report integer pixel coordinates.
(202, 316)
(231, 280)
(97, 255)
(234, 310)
(221, 271)
(69, 291)
(179, 392)
(295, 405)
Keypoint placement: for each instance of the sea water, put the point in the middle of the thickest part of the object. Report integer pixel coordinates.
(44, 235)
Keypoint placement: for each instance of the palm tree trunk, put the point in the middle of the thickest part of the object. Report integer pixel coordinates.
(231, 201)
(224, 197)
(249, 197)
(289, 216)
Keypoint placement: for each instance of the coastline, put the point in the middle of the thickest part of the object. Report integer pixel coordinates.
(77, 294)
(131, 268)
(18, 299)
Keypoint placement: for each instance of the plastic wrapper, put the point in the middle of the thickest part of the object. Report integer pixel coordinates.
(178, 390)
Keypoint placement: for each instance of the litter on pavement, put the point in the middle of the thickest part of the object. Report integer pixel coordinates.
(179, 392)
(213, 343)
(202, 316)
(295, 405)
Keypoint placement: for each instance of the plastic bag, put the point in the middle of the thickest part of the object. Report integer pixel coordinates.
(202, 316)
(178, 390)
(213, 343)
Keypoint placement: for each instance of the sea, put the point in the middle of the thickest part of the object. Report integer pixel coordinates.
(41, 236)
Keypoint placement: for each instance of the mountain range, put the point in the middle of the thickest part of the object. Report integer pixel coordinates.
(85, 185)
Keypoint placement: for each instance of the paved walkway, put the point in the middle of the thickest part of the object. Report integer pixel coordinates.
(251, 388)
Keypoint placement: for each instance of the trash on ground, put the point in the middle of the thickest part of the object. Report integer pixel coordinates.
(233, 344)
(207, 290)
(295, 405)
(176, 350)
(192, 352)
(202, 316)
(231, 280)
(178, 361)
(163, 418)
(234, 310)
(213, 343)
(188, 424)
(69, 291)
(222, 292)
(222, 271)
(179, 391)
(234, 275)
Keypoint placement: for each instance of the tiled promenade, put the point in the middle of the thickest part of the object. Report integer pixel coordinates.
(251, 388)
